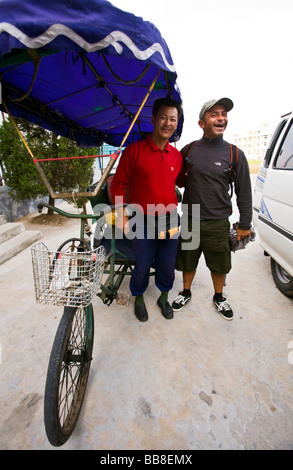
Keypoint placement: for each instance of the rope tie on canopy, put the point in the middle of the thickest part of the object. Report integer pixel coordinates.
(36, 61)
(126, 82)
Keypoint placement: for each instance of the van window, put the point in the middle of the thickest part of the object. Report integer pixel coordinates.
(285, 155)
(270, 149)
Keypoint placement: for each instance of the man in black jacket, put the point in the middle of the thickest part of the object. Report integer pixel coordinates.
(206, 178)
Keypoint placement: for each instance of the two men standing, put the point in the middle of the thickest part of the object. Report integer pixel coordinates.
(150, 169)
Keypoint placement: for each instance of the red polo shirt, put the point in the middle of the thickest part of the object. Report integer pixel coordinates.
(149, 173)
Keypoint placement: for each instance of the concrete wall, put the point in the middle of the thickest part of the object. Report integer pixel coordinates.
(13, 209)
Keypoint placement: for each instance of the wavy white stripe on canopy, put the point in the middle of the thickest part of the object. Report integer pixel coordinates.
(111, 39)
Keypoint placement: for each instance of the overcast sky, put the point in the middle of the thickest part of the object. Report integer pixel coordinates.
(236, 48)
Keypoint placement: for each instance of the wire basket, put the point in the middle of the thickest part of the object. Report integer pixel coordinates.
(66, 278)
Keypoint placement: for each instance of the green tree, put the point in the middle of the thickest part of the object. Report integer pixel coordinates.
(20, 173)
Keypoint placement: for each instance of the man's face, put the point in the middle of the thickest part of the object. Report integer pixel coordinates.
(165, 122)
(215, 122)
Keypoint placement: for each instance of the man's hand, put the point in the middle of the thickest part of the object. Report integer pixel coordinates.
(122, 220)
(242, 233)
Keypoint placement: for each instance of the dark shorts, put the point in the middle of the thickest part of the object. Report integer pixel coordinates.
(213, 243)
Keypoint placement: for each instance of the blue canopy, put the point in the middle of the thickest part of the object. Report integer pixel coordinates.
(82, 68)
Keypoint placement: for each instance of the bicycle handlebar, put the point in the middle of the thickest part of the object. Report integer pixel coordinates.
(66, 214)
(108, 208)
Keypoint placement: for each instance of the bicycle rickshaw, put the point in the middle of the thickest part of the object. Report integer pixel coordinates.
(90, 72)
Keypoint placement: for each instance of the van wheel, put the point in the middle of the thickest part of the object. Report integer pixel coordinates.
(283, 280)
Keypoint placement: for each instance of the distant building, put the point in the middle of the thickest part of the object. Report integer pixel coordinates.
(102, 161)
(108, 149)
(254, 142)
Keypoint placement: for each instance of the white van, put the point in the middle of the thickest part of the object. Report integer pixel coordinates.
(273, 204)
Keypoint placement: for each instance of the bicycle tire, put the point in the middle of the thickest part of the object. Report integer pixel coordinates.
(69, 241)
(68, 372)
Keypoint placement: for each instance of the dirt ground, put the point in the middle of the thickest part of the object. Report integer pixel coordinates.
(31, 220)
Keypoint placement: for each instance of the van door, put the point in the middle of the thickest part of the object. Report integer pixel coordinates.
(260, 180)
(275, 218)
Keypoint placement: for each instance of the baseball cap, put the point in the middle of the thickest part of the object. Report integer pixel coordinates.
(226, 102)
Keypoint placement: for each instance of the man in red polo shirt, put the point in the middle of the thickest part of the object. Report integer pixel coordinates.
(148, 169)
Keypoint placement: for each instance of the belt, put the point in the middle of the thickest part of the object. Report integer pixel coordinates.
(162, 225)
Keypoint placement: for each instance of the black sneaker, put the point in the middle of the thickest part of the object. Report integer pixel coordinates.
(180, 301)
(224, 308)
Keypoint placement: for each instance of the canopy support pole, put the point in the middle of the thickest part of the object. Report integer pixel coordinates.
(42, 174)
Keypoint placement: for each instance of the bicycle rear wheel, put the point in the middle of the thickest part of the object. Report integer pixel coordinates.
(68, 371)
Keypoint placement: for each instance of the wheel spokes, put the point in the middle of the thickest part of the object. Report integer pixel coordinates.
(72, 370)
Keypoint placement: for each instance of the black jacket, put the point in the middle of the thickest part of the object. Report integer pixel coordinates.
(206, 182)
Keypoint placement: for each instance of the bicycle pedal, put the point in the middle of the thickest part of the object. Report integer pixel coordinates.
(123, 299)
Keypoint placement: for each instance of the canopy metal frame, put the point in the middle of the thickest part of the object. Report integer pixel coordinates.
(112, 160)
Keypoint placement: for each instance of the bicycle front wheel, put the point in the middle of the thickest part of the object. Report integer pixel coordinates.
(68, 371)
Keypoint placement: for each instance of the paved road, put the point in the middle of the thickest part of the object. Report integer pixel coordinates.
(195, 382)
